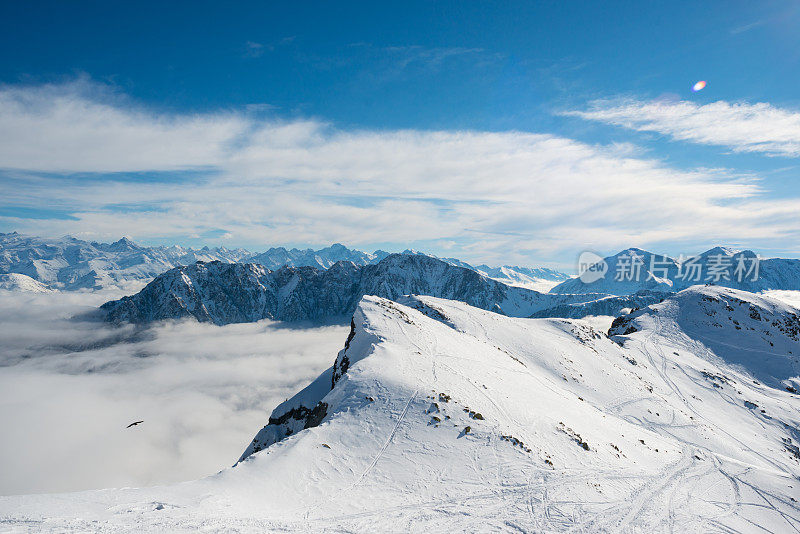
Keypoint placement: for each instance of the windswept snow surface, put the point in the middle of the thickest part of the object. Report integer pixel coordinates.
(440, 417)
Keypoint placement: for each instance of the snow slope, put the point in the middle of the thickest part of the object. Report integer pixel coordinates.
(441, 417)
(789, 297)
(758, 334)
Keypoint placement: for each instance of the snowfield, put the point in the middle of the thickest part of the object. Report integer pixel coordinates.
(441, 417)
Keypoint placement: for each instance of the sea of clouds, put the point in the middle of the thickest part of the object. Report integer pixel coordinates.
(69, 387)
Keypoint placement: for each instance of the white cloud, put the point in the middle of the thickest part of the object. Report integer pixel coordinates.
(80, 127)
(492, 196)
(69, 388)
(742, 127)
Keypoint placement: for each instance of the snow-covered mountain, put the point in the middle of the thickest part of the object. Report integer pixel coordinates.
(69, 263)
(606, 305)
(230, 293)
(21, 282)
(440, 417)
(760, 335)
(633, 270)
(539, 279)
(277, 257)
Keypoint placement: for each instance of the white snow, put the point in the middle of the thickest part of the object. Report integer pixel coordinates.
(537, 279)
(21, 282)
(449, 418)
(789, 297)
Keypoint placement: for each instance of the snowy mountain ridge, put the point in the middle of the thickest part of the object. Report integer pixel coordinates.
(757, 334)
(539, 279)
(437, 416)
(277, 257)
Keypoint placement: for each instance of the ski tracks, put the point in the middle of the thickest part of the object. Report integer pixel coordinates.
(388, 440)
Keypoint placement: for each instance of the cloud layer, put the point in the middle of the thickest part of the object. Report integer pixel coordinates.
(82, 127)
(69, 388)
(741, 127)
(487, 196)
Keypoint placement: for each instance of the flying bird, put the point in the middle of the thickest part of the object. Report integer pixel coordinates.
(134, 424)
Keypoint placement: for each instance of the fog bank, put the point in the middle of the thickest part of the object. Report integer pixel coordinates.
(68, 389)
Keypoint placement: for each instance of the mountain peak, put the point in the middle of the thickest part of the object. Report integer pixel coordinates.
(123, 243)
(720, 251)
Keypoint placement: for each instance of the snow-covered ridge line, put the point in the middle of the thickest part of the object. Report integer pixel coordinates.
(438, 416)
(21, 282)
(756, 334)
(228, 293)
(592, 396)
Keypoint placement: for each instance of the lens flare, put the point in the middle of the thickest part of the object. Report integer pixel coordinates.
(698, 86)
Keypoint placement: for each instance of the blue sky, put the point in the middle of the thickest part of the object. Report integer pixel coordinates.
(519, 132)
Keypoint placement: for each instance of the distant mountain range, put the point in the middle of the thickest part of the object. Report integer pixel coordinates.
(225, 293)
(68, 263)
(323, 258)
(223, 286)
(540, 279)
(72, 264)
